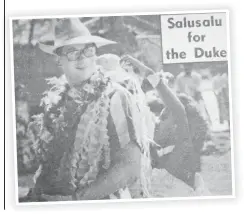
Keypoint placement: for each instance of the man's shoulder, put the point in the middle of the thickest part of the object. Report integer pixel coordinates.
(180, 77)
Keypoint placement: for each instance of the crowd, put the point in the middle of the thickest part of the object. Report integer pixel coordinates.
(101, 132)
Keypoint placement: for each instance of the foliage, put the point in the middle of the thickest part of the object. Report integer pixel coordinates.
(25, 140)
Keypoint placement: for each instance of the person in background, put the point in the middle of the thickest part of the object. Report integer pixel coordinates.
(180, 126)
(225, 102)
(110, 65)
(189, 83)
(221, 89)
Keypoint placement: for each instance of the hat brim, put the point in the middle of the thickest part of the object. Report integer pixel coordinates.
(99, 41)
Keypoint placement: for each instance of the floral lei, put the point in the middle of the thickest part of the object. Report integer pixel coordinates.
(91, 144)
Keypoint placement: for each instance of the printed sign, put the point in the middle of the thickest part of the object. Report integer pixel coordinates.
(194, 37)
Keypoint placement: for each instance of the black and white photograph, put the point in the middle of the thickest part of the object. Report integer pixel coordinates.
(122, 107)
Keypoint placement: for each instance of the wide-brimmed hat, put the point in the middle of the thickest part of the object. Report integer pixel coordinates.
(69, 32)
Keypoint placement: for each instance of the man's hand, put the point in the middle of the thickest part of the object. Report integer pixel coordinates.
(128, 60)
(166, 76)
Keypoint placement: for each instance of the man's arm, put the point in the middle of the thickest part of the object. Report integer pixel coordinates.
(177, 109)
(178, 83)
(124, 169)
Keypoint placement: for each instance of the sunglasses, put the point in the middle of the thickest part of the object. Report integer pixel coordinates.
(88, 51)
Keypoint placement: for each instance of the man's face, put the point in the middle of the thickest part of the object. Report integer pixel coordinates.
(188, 70)
(78, 62)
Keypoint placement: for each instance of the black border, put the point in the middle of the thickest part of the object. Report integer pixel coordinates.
(4, 208)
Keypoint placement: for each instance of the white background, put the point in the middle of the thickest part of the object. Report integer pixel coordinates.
(215, 36)
(72, 7)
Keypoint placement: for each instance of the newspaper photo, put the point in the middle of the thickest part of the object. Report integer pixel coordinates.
(122, 107)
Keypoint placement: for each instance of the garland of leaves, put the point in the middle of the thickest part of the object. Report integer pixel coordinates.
(91, 144)
(92, 141)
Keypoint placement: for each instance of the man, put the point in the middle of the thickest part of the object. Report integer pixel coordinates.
(91, 140)
(188, 82)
